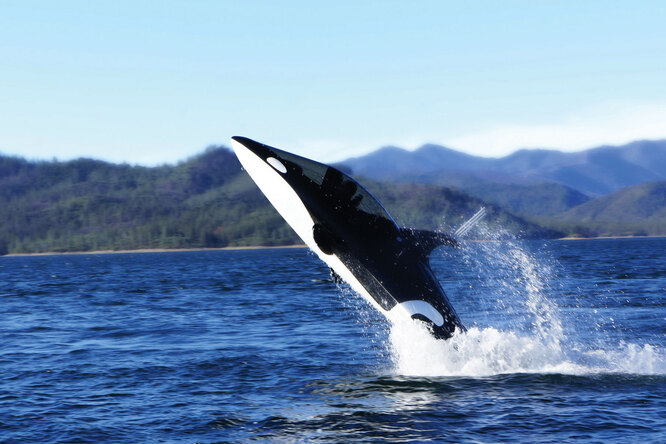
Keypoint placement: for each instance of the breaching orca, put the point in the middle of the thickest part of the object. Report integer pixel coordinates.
(354, 235)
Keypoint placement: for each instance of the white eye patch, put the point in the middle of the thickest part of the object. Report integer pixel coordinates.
(272, 161)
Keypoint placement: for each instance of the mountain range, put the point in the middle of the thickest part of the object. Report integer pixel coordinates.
(209, 201)
(592, 172)
(548, 187)
(206, 201)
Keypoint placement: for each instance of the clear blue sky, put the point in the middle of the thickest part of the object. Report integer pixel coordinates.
(157, 81)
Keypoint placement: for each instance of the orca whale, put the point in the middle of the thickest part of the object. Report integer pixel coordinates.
(349, 229)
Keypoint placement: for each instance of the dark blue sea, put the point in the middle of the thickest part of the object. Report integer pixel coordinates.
(566, 342)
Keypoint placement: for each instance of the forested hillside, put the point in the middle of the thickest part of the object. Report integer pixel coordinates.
(637, 210)
(206, 201)
(88, 205)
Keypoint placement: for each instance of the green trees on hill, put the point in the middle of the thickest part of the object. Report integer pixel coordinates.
(91, 205)
(632, 211)
(433, 207)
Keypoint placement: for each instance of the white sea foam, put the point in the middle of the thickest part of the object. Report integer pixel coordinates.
(488, 351)
(530, 339)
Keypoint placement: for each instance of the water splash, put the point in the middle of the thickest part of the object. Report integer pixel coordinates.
(488, 351)
(520, 329)
(374, 327)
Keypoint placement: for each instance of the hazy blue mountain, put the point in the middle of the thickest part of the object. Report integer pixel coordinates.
(594, 172)
(390, 162)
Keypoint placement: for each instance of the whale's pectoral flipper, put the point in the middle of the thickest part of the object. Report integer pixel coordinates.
(324, 239)
(427, 240)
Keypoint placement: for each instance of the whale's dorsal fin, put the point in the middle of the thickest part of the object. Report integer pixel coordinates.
(427, 240)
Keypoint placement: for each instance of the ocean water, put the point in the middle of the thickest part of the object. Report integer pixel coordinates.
(566, 342)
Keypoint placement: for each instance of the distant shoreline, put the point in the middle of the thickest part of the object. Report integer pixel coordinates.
(257, 247)
(611, 237)
(155, 250)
